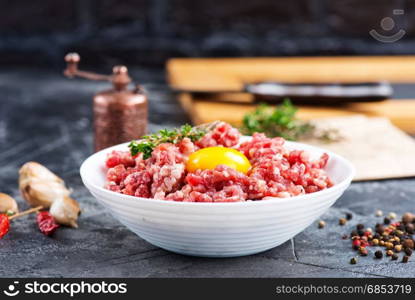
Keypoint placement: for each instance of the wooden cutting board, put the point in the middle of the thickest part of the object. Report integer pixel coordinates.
(376, 148)
(400, 112)
(230, 74)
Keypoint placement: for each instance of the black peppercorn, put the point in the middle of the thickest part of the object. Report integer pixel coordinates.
(353, 261)
(361, 232)
(378, 254)
(408, 251)
(395, 257)
(360, 226)
(405, 259)
(386, 221)
(410, 228)
(349, 216)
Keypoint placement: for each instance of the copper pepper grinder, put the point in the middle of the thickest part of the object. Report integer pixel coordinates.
(120, 114)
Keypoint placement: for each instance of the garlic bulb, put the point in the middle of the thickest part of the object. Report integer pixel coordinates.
(41, 187)
(65, 211)
(8, 204)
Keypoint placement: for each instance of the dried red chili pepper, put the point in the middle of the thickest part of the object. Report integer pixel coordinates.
(46, 223)
(4, 225)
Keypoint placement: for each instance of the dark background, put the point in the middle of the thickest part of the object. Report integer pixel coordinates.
(147, 32)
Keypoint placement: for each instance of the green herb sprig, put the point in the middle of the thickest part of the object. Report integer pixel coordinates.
(147, 143)
(281, 121)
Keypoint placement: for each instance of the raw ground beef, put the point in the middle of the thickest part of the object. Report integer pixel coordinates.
(275, 171)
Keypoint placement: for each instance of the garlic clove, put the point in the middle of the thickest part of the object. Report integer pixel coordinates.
(39, 186)
(65, 211)
(35, 170)
(8, 204)
(44, 193)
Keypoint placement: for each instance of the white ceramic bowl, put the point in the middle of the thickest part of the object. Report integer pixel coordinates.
(217, 229)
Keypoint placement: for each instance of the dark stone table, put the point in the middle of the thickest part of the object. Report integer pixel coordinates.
(46, 118)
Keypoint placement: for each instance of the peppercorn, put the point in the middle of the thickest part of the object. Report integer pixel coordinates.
(405, 259)
(349, 216)
(386, 221)
(401, 227)
(381, 243)
(321, 224)
(360, 232)
(369, 230)
(345, 237)
(380, 229)
(360, 226)
(353, 261)
(356, 244)
(407, 217)
(408, 251)
(392, 215)
(389, 246)
(398, 248)
(375, 242)
(395, 256)
(379, 213)
(363, 251)
(354, 233)
(389, 252)
(408, 243)
(378, 254)
(410, 228)
(342, 221)
(399, 233)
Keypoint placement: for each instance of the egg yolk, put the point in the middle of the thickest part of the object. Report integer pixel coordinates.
(209, 158)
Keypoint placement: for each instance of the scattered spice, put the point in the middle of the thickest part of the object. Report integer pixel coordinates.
(408, 243)
(392, 216)
(353, 261)
(407, 218)
(363, 251)
(321, 224)
(405, 259)
(396, 236)
(379, 213)
(410, 228)
(342, 221)
(349, 216)
(378, 254)
(360, 226)
(46, 223)
(345, 237)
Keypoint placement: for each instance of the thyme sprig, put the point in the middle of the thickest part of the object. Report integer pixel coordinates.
(281, 121)
(147, 143)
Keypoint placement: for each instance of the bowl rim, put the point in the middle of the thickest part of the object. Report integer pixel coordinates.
(340, 186)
